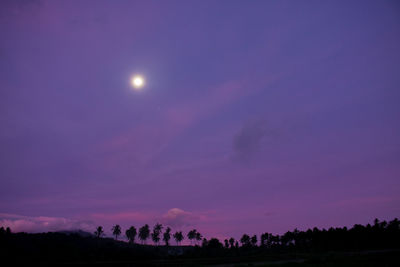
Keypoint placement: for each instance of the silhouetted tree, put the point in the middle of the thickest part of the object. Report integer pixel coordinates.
(5, 232)
(214, 243)
(275, 239)
(245, 240)
(376, 222)
(178, 236)
(156, 233)
(116, 230)
(226, 243)
(99, 231)
(204, 243)
(264, 239)
(144, 233)
(287, 238)
(231, 242)
(191, 235)
(131, 234)
(167, 236)
(394, 225)
(198, 237)
(254, 240)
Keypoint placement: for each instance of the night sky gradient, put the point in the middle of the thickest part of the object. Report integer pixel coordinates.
(257, 116)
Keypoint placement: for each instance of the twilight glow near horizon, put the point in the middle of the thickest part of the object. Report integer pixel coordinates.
(252, 116)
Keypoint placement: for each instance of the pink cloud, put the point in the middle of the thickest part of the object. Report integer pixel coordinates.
(178, 218)
(38, 224)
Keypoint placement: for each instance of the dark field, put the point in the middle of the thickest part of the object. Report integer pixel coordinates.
(362, 258)
(72, 250)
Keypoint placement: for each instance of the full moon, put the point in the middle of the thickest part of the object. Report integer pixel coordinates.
(137, 82)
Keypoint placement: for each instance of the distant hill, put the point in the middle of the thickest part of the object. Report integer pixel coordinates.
(76, 232)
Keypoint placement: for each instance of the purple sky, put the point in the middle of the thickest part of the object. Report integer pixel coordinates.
(256, 116)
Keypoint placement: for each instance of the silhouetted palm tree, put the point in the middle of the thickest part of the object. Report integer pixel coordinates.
(144, 233)
(198, 237)
(131, 234)
(178, 236)
(167, 236)
(116, 230)
(192, 235)
(156, 233)
(99, 231)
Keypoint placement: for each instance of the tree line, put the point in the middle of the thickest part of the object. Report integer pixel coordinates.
(379, 234)
(156, 234)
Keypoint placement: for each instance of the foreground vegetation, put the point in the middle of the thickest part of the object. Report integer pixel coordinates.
(370, 245)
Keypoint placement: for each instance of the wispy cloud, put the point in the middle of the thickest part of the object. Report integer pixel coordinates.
(124, 217)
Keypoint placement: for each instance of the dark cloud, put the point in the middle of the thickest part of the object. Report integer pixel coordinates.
(269, 213)
(10, 8)
(249, 139)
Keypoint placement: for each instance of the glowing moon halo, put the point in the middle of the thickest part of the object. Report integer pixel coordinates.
(137, 82)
